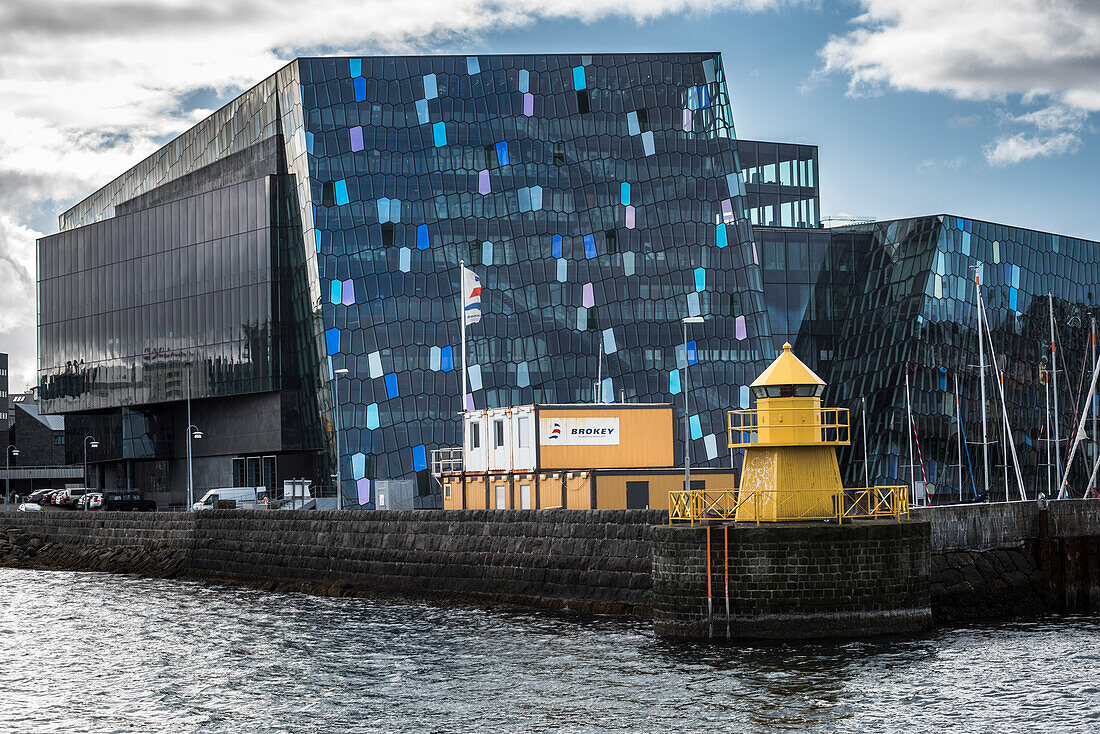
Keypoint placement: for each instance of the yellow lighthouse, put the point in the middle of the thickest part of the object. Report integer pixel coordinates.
(790, 470)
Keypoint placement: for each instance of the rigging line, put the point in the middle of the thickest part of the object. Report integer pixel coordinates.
(966, 447)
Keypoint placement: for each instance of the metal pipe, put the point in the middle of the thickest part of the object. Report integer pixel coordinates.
(9, 452)
(336, 426)
(726, 572)
(710, 598)
(866, 450)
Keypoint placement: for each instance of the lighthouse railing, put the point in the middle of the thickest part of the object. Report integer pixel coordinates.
(788, 427)
(785, 505)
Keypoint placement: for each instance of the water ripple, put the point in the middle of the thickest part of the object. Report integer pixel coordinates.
(103, 653)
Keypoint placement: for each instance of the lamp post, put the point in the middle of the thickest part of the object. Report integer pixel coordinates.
(9, 452)
(192, 432)
(95, 445)
(336, 427)
(687, 428)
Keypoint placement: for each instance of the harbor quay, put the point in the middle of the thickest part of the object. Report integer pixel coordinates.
(978, 562)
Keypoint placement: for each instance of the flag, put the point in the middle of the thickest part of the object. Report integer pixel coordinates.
(471, 296)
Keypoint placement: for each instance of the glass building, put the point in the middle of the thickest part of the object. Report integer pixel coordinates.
(316, 223)
(896, 299)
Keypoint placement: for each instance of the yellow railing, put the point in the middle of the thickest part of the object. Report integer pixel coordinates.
(864, 503)
(744, 427)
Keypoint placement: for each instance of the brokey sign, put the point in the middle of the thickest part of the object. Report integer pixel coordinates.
(580, 431)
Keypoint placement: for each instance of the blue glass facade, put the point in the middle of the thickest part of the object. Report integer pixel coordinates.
(598, 198)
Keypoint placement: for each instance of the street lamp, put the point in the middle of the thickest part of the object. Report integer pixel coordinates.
(95, 445)
(9, 452)
(687, 430)
(195, 433)
(336, 426)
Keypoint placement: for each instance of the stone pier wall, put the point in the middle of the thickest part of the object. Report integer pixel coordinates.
(1014, 559)
(989, 560)
(791, 580)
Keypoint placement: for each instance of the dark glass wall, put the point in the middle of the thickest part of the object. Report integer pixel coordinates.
(597, 197)
(129, 306)
(902, 301)
(781, 183)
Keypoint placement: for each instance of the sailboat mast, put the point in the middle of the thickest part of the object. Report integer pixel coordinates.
(1094, 444)
(1054, 373)
(958, 425)
(1046, 428)
(981, 376)
(909, 417)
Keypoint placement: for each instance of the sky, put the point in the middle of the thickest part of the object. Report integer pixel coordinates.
(983, 108)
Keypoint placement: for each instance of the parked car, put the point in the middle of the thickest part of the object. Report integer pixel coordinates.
(90, 501)
(54, 497)
(125, 501)
(240, 496)
(39, 496)
(30, 507)
(68, 497)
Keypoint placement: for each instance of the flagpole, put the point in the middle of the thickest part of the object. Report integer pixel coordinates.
(462, 328)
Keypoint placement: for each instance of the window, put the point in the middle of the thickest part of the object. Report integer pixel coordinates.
(612, 241)
(502, 497)
(387, 234)
(446, 491)
(475, 436)
(523, 426)
(498, 429)
(58, 440)
(559, 154)
(525, 496)
(582, 102)
(238, 473)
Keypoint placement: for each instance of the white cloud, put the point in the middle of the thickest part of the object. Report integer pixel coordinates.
(935, 165)
(1041, 51)
(89, 87)
(1022, 147)
(1054, 117)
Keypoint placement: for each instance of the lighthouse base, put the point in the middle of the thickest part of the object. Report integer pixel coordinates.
(792, 580)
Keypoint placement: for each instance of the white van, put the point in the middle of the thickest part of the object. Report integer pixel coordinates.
(243, 496)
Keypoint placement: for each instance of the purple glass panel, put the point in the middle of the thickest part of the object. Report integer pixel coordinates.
(630, 216)
(528, 104)
(483, 182)
(739, 327)
(357, 138)
(588, 299)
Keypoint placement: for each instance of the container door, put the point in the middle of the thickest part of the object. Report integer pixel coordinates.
(500, 438)
(637, 495)
(523, 440)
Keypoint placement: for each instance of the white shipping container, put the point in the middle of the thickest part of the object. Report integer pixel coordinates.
(475, 453)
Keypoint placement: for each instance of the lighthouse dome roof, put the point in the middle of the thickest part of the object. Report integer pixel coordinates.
(787, 369)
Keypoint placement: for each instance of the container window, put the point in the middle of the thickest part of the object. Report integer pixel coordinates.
(523, 427)
(498, 427)
(502, 500)
(475, 436)
(525, 496)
